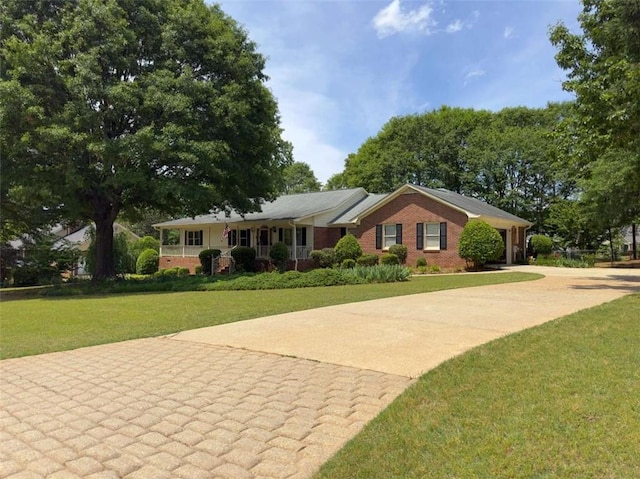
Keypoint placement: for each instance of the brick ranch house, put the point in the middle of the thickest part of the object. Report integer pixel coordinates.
(427, 221)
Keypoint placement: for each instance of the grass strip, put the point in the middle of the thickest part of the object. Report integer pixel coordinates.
(561, 400)
(48, 324)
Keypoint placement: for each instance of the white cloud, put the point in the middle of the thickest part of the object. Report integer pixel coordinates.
(508, 33)
(473, 74)
(394, 19)
(455, 27)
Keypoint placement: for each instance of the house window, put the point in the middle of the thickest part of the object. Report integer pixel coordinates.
(389, 238)
(193, 238)
(431, 236)
(388, 235)
(285, 235)
(245, 237)
(239, 238)
(301, 236)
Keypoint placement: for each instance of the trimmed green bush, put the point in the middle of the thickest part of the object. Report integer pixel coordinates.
(541, 245)
(206, 256)
(480, 243)
(368, 260)
(198, 269)
(245, 258)
(421, 262)
(400, 251)
(389, 258)
(146, 242)
(347, 248)
(279, 253)
(147, 262)
(348, 264)
(324, 258)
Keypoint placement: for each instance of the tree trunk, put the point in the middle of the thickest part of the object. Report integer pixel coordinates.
(105, 213)
(613, 258)
(634, 242)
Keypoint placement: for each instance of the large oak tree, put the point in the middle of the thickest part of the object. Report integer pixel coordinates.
(110, 107)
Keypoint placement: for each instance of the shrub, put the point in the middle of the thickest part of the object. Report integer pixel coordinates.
(368, 260)
(384, 273)
(400, 251)
(389, 258)
(146, 242)
(541, 245)
(421, 262)
(198, 269)
(147, 262)
(348, 264)
(347, 248)
(279, 253)
(206, 257)
(26, 276)
(324, 258)
(245, 258)
(480, 243)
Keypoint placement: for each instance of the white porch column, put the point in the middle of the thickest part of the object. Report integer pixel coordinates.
(295, 246)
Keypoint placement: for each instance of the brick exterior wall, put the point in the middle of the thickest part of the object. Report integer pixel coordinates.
(186, 262)
(325, 237)
(408, 209)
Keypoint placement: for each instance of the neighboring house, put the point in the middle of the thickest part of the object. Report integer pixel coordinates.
(627, 235)
(80, 241)
(427, 221)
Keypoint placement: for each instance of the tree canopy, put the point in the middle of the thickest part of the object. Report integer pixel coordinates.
(111, 107)
(603, 70)
(299, 178)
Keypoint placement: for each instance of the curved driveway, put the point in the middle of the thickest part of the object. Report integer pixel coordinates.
(270, 397)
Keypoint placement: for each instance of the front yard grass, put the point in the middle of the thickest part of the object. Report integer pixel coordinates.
(561, 400)
(35, 326)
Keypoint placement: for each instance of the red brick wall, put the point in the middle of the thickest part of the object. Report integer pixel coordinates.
(325, 237)
(173, 261)
(410, 209)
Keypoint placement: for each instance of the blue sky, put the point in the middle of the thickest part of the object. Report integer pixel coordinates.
(341, 69)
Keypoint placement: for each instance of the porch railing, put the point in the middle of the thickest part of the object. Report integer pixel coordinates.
(302, 252)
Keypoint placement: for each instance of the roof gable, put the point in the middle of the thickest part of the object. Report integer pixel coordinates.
(472, 207)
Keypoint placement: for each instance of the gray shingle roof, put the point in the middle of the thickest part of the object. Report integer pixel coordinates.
(470, 205)
(352, 213)
(287, 207)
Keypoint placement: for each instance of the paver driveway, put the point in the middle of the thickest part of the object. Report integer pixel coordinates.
(191, 406)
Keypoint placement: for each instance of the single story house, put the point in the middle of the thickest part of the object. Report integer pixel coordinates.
(428, 221)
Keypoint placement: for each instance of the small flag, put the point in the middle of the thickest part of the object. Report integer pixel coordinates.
(226, 231)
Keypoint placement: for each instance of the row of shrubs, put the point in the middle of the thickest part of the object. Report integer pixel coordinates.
(348, 254)
(316, 277)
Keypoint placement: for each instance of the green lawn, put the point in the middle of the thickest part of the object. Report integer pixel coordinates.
(35, 326)
(561, 400)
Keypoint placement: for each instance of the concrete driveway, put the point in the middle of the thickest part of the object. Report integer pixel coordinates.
(267, 398)
(409, 335)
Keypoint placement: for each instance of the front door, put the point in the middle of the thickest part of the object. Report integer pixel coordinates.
(263, 242)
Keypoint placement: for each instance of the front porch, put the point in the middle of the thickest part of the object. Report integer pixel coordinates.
(262, 251)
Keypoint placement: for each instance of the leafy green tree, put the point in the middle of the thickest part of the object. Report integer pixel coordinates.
(603, 70)
(146, 242)
(418, 149)
(124, 261)
(511, 162)
(110, 107)
(480, 243)
(299, 178)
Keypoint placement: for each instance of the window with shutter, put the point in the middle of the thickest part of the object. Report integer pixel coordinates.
(419, 236)
(378, 236)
